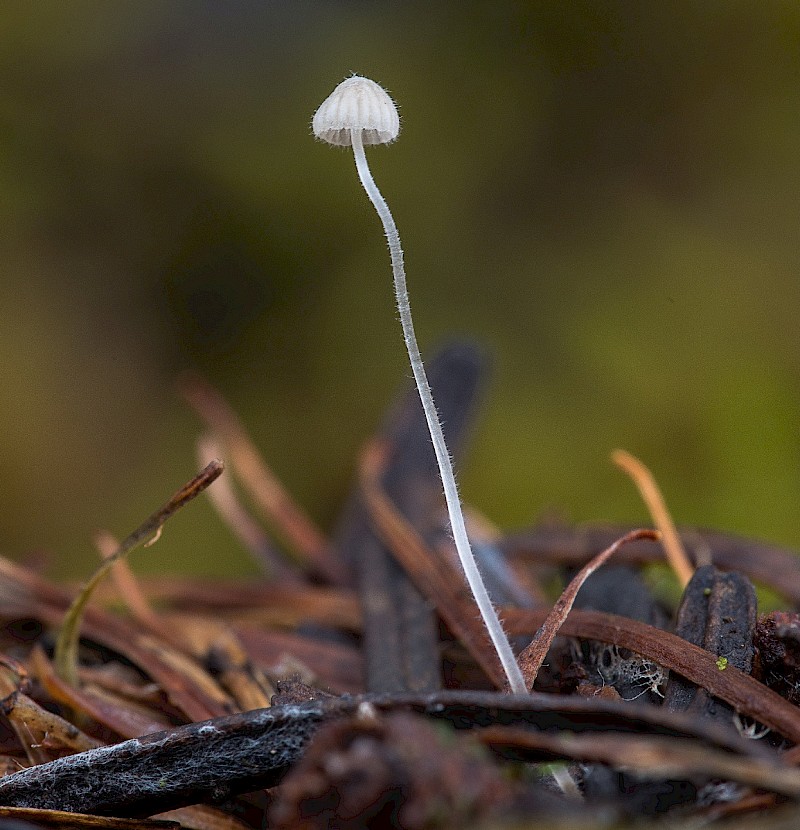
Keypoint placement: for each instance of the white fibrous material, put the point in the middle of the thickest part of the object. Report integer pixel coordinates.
(357, 104)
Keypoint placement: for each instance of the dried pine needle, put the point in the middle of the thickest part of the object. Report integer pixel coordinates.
(128, 587)
(230, 509)
(651, 495)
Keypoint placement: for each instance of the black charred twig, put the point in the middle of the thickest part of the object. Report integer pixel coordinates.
(216, 759)
(717, 613)
(195, 763)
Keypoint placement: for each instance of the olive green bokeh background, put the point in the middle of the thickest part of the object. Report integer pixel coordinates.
(604, 194)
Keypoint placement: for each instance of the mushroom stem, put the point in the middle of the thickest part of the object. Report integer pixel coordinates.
(500, 641)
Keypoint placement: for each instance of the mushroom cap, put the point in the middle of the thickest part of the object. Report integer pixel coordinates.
(357, 104)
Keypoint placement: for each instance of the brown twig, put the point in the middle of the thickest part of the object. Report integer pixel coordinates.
(744, 693)
(26, 595)
(532, 657)
(127, 587)
(128, 721)
(284, 604)
(655, 757)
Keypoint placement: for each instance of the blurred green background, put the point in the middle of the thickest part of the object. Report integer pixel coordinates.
(604, 194)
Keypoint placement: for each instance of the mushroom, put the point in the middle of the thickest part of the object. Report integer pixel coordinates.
(356, 113)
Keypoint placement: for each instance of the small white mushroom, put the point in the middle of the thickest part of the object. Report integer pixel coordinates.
(356, 113)
(361, 105)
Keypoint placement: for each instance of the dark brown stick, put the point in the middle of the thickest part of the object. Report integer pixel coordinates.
(718, 613)
(440, 580)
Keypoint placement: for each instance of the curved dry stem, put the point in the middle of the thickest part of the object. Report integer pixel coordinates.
(533, 656)
(651, 496)
(66, 650)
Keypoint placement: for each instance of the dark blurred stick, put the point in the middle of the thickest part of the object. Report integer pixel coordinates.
(439, 579)
(653, 757)
(400, 632)
(267, 492)
(128, 590)
(274, 603)
(777, 567)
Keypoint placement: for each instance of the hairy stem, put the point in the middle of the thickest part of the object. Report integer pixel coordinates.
(496, 633)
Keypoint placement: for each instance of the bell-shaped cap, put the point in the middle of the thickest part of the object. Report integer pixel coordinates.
(357, 104)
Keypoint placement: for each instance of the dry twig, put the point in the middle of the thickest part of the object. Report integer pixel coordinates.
(66, 655)
(651, 495)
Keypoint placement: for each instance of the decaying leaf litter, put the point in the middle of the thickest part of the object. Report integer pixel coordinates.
(353, 685)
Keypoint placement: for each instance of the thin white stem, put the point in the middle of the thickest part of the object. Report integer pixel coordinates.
(496, 633)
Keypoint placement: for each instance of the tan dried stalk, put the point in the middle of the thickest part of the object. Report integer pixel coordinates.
(651, 495)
